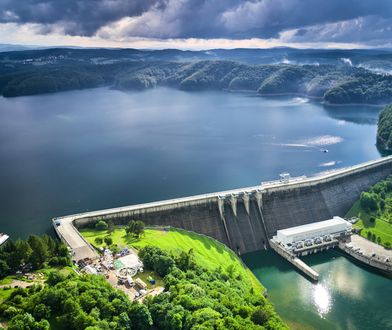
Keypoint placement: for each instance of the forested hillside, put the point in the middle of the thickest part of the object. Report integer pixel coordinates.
(59, 71)
(384, 129)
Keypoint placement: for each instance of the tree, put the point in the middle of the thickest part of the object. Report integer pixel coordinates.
(140, 317)
(379, 240)
(4, 269)
(369, 201)
(163, 264)
(39, 251)
(98, 240)
(110, 227)
(22, 252)
(41, 312)
(101, 225)
(135, 227)
(108, 240)
(27, 322)
(259, 316)
(55, 277)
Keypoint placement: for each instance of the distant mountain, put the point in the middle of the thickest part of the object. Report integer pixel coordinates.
(11, 47)
(333, 78)
(285, 55)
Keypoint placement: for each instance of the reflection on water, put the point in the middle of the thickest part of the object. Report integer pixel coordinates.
(346, 297)
(321, 298)
(68, 152)
(358, 114)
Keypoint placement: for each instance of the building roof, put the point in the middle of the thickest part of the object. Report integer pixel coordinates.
(313, 226)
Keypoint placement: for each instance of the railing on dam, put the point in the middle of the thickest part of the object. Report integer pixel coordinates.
(242, 218)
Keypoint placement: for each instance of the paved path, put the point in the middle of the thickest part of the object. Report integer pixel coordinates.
(80, 248)
(368, 248)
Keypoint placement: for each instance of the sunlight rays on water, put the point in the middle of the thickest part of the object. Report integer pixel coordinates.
(321, 298)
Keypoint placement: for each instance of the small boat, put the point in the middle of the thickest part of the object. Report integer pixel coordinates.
(3, 238)
(324, 150)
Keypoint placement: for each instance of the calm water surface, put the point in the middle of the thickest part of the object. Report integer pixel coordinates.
(347, 297)
(83, 150)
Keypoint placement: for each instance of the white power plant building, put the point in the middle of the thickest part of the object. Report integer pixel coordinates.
(319, 231)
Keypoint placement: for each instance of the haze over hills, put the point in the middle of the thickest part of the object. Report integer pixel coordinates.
(336, 76)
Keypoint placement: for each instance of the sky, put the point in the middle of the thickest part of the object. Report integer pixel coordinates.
(198, 24)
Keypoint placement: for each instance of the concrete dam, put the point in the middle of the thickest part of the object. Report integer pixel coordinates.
(243, 219)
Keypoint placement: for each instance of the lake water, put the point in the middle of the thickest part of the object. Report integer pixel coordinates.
(83, 150)
(347, 297)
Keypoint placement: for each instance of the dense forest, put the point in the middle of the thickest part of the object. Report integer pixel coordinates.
(194, 298)
(384, 129)
(46, 72)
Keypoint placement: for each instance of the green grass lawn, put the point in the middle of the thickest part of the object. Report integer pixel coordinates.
(380, 227)
(207, 251)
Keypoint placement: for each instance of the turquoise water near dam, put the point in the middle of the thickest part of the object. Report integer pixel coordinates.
(84, 150)
(347, 297)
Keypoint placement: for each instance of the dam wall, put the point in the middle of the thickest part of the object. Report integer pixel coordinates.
(245, 219)
(318, 200)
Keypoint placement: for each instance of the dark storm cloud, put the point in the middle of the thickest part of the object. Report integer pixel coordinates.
(76, 17)
(198, 18)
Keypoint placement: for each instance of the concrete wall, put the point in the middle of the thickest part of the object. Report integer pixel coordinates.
(244, 220)
(306, 204)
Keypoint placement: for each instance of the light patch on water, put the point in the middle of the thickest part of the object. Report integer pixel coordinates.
(321, 299)
(351, 285)
(300, 100)
(331, 163)
(324, 140)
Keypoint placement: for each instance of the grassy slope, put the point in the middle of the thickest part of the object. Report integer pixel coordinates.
(380, 227)
(207, 251)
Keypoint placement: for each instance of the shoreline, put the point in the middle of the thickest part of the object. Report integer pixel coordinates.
(239, 91)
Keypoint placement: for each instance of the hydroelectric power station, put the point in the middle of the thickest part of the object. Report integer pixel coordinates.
(244, 219)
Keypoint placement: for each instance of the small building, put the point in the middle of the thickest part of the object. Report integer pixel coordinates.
(323, 230)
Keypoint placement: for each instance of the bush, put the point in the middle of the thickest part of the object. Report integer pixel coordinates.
(369, 201)
(101, 225)
(108, 240)
(98, 240)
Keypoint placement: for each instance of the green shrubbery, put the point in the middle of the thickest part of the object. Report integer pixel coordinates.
(375, 213)
(384, 129)
(73, 302)
(194, 298)
(33, 253)
(197, 298)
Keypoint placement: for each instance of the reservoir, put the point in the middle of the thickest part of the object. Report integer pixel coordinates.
(85, 150)
(347, 296)
(75, 151)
